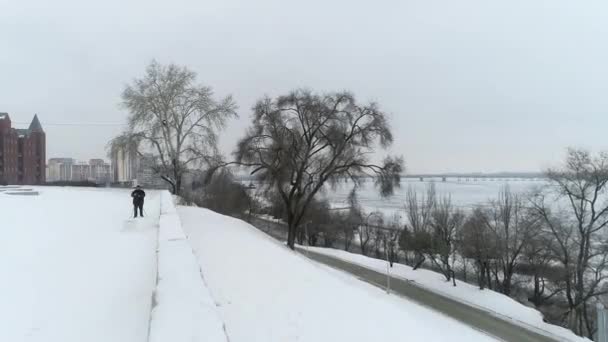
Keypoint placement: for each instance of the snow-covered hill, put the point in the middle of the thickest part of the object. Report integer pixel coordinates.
(266, 293)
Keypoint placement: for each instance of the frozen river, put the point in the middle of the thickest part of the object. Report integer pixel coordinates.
(464, 194)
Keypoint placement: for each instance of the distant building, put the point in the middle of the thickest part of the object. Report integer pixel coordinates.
(101, 172)
(68, 170)
(124, 164)
(22, 152)
(81, 172)
(59, 169)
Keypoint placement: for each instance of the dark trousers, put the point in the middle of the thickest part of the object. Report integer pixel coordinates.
(140, 206)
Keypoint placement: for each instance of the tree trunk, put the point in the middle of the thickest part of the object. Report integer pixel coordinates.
(301, 237)
(312, 239)
(576, 320)
(347, 240)
(171, 183)
(588, 323)
(464, 269)
(489, 284)
(421, 259)
(178, 185)
(291, 235)
(506, 285)
(481, 275)
(537, 292)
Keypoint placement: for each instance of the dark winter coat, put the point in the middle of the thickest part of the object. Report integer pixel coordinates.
(138, 196)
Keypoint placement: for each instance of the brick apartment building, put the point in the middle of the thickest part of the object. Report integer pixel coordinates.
(22, 153)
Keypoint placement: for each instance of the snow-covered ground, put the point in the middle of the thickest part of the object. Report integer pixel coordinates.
(73, 268)
(76, 267)
(266, 293)
(493, 302)
(184, 310)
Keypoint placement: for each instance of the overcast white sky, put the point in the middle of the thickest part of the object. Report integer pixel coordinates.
(471, 85)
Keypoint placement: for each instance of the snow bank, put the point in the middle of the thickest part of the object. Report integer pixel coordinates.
(267, 293)
(493, 302)
(184, 309)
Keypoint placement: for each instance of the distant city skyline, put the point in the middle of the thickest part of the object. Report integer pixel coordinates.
(84, 160)
(471, 86)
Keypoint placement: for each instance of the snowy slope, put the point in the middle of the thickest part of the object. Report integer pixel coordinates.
(496, 303)
(184, 310)
(73, 268)
(268, 293)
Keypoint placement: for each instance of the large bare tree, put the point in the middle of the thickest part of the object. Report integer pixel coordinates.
(575, 210)
(301, 142)
(446, 224)
(512, 227)
(539, 262)
(176, 119)
(476, 243)
(416, 236)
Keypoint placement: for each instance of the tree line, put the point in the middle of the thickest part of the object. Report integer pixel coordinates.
(547, 247)
(303, 143)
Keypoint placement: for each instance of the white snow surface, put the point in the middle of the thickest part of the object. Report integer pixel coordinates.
(184, 310)
(495, 303)
(266, 293)
(74, 267)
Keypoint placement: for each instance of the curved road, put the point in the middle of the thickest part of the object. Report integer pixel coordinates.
(476, 318)
(471, 316)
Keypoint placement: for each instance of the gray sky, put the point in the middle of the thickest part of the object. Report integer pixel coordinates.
(471, 85)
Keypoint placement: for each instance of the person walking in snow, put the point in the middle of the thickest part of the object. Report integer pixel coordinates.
(138, 200)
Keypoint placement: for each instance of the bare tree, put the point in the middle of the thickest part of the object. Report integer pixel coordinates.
(538, 259)
(318, 220)
(367, 229)
(476, 243)
(300, 142)
(575, 210)
(512, 227)
(223, 195)
(175, 118)
(391, 239)
(417, 237)
(446, 222)
(379, 242)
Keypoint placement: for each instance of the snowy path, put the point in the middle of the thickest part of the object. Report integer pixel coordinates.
(268, 293)
(471, 316)
(487, 310)
(73, 268)
(184, 310)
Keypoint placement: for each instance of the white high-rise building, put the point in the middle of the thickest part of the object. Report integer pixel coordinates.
(100, 171)
(124, 164)
(59, 169)
(68, 170)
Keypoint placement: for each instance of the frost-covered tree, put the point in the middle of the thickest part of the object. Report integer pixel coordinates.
(176, 119)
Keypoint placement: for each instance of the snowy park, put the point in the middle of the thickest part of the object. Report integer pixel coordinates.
(77, 267)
